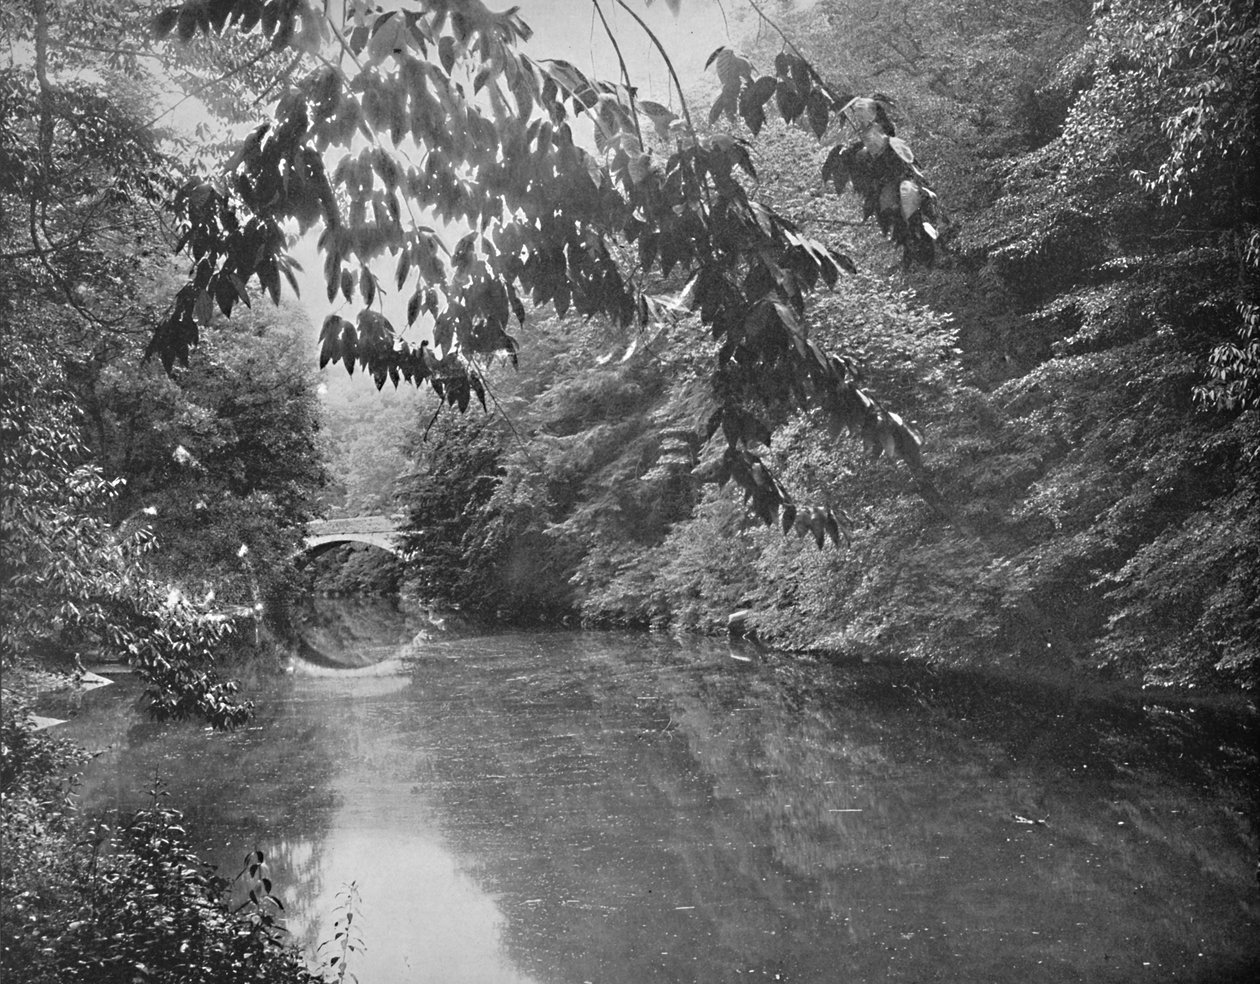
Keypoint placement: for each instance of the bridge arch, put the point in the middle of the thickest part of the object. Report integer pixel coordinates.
(383, 532)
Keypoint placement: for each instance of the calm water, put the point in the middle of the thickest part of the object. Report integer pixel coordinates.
(576, 807)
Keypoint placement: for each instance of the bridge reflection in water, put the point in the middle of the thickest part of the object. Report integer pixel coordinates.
(384, 532)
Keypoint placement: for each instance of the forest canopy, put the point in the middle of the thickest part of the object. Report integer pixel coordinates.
(1073, 195)
(1077, 505)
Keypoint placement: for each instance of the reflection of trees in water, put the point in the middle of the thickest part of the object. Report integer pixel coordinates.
(682, 805)
(625, 796)
(300, 865)
(352, 631)
(237, 793)
(951, 775)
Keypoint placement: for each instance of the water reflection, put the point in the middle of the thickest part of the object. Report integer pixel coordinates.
(347, 633)
(577, 807)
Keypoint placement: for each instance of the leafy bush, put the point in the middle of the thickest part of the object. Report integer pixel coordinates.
(118, 905)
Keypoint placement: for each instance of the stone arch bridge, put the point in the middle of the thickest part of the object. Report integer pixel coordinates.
(383, 532)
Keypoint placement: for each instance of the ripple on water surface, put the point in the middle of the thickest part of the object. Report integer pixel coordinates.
(568, 807)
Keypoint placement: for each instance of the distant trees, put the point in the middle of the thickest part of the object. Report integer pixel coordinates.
(456, 473)
(527, 511)
(363, 436)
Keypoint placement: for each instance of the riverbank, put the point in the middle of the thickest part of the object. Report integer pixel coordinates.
(1081, 677)
(126, 899)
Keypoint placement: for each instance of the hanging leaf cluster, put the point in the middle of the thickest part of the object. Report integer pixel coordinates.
(457, 127)
(881, 169)
(876, 163)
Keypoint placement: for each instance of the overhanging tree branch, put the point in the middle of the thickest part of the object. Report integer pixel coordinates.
(625, 73)
(669, 64)
(837, 97)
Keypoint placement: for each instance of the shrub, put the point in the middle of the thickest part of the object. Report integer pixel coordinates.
(134, 904)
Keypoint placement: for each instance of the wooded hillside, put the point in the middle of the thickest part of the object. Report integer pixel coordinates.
(934, 336)
(1079, 359)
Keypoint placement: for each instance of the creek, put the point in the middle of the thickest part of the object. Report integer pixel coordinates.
(568, 807)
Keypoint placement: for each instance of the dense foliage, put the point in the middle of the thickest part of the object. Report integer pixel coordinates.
(1077, 340)
(493, 130)
(71, 582)
(131, 499)
(1103, 232)
(216, 457)
(119, 904)
(1078, 506)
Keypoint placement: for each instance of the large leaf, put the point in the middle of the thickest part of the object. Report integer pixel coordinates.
(660, 116)
(791, 103)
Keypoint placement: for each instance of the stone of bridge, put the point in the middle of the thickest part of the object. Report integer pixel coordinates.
(376, 531)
